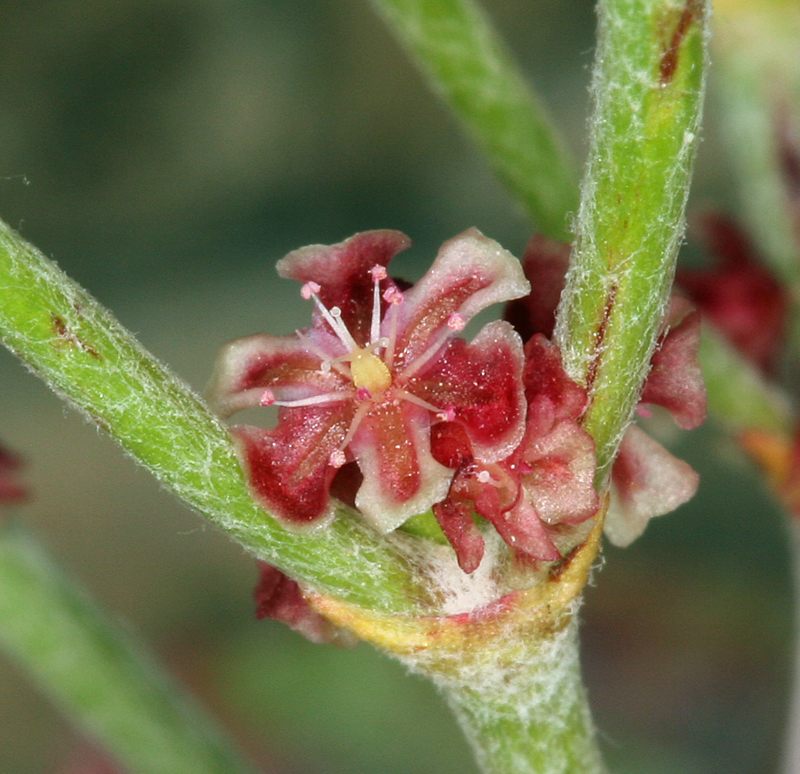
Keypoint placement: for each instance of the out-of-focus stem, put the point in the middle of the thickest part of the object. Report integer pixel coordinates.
(647, 87)
(465, 61)
(98, 674)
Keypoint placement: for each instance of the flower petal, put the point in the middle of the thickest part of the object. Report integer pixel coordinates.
(739, 294)
(278, 596)
(524, 531)
(470, 273)
(482, 383)
(560, 479)
(288, 468)
(343, 273)
(283, 364)
(676, 381)
(401, 478)
(545, 266)
(545, 378)
(455, 518)
(647, 481)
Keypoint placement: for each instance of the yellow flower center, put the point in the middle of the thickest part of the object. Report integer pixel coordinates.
(369, 371)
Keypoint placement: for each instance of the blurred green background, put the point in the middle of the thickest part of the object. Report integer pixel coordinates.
(166, 153)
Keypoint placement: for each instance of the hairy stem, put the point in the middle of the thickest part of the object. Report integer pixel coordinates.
(87, 357)
(465, 62)
(524, 709)
(648, 86)
(98, 674)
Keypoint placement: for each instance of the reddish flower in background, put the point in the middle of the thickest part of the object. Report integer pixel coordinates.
(378, 367)
(11, 491)
(278, 596)
(739, 295)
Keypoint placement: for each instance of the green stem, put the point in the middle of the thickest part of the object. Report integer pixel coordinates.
(647, 87)
(521, 703)
(465, 61)
(99, 674)
(86, 356)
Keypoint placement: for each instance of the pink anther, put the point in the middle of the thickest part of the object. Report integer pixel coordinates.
(393, 296)
(309, 289)
(378, 273)
(448, 415)
(456, 322)
(337, 459)
(267, 398)
(362, 393)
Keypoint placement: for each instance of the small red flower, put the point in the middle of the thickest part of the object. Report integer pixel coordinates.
(739, 295)
(646, 479)
(278, 596)
(378, 367)
(546, 484)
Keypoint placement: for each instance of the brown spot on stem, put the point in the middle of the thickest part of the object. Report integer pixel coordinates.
(594, 365)
(669, 59)
(64, 336)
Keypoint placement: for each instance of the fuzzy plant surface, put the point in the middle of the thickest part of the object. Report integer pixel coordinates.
(442, 498)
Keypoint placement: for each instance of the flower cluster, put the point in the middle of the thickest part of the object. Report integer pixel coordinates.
(383, 406)
(646, 480)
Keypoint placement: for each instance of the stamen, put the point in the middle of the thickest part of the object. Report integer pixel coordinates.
(337, 459)
(268, 399)
(332, 317)
(327, 361)
(438, 342)
(456, 322)
(378, 273)
(361, 412)
(341, 329)
(394, 298)
(448, 415)
(485, 477)
(309, 290)
(411, 398)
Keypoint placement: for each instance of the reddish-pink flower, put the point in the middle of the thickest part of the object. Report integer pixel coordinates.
(278, 596)
(535, 494)
(646, 480)
(378, 367)
(739, 294)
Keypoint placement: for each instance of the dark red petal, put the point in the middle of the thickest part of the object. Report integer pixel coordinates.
(450, 444)
(545, 377)
(283, 364)
(559, 474)
(455, 519)
(525, 532)
(482, 382)
(739, 294)
(288, 468)
(343, 273)
(545, 266)
(647, 481)
(278, 596)
(11, 490)
(401, 478)
(470, 273)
